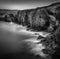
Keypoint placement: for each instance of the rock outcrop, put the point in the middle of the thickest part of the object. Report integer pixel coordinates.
(41, 18)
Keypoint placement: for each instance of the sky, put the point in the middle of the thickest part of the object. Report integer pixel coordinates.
(24, 4)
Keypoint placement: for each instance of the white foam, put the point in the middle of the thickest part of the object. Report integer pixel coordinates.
(22, 29)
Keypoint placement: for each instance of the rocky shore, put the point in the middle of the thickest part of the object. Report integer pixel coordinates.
(39, 20)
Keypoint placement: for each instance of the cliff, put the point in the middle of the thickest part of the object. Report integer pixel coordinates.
(39, 19)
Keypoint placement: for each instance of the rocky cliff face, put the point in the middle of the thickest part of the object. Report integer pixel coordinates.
(41, 18)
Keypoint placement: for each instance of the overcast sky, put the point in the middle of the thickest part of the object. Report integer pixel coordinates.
(24, 4)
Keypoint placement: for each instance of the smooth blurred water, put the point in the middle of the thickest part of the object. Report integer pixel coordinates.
(13, 37)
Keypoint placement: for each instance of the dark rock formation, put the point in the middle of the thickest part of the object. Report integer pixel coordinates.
(41, 18)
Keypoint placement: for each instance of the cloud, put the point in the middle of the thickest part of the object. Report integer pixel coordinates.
(24, 4)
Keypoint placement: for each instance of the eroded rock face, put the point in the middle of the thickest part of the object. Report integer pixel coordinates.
(37, 19)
